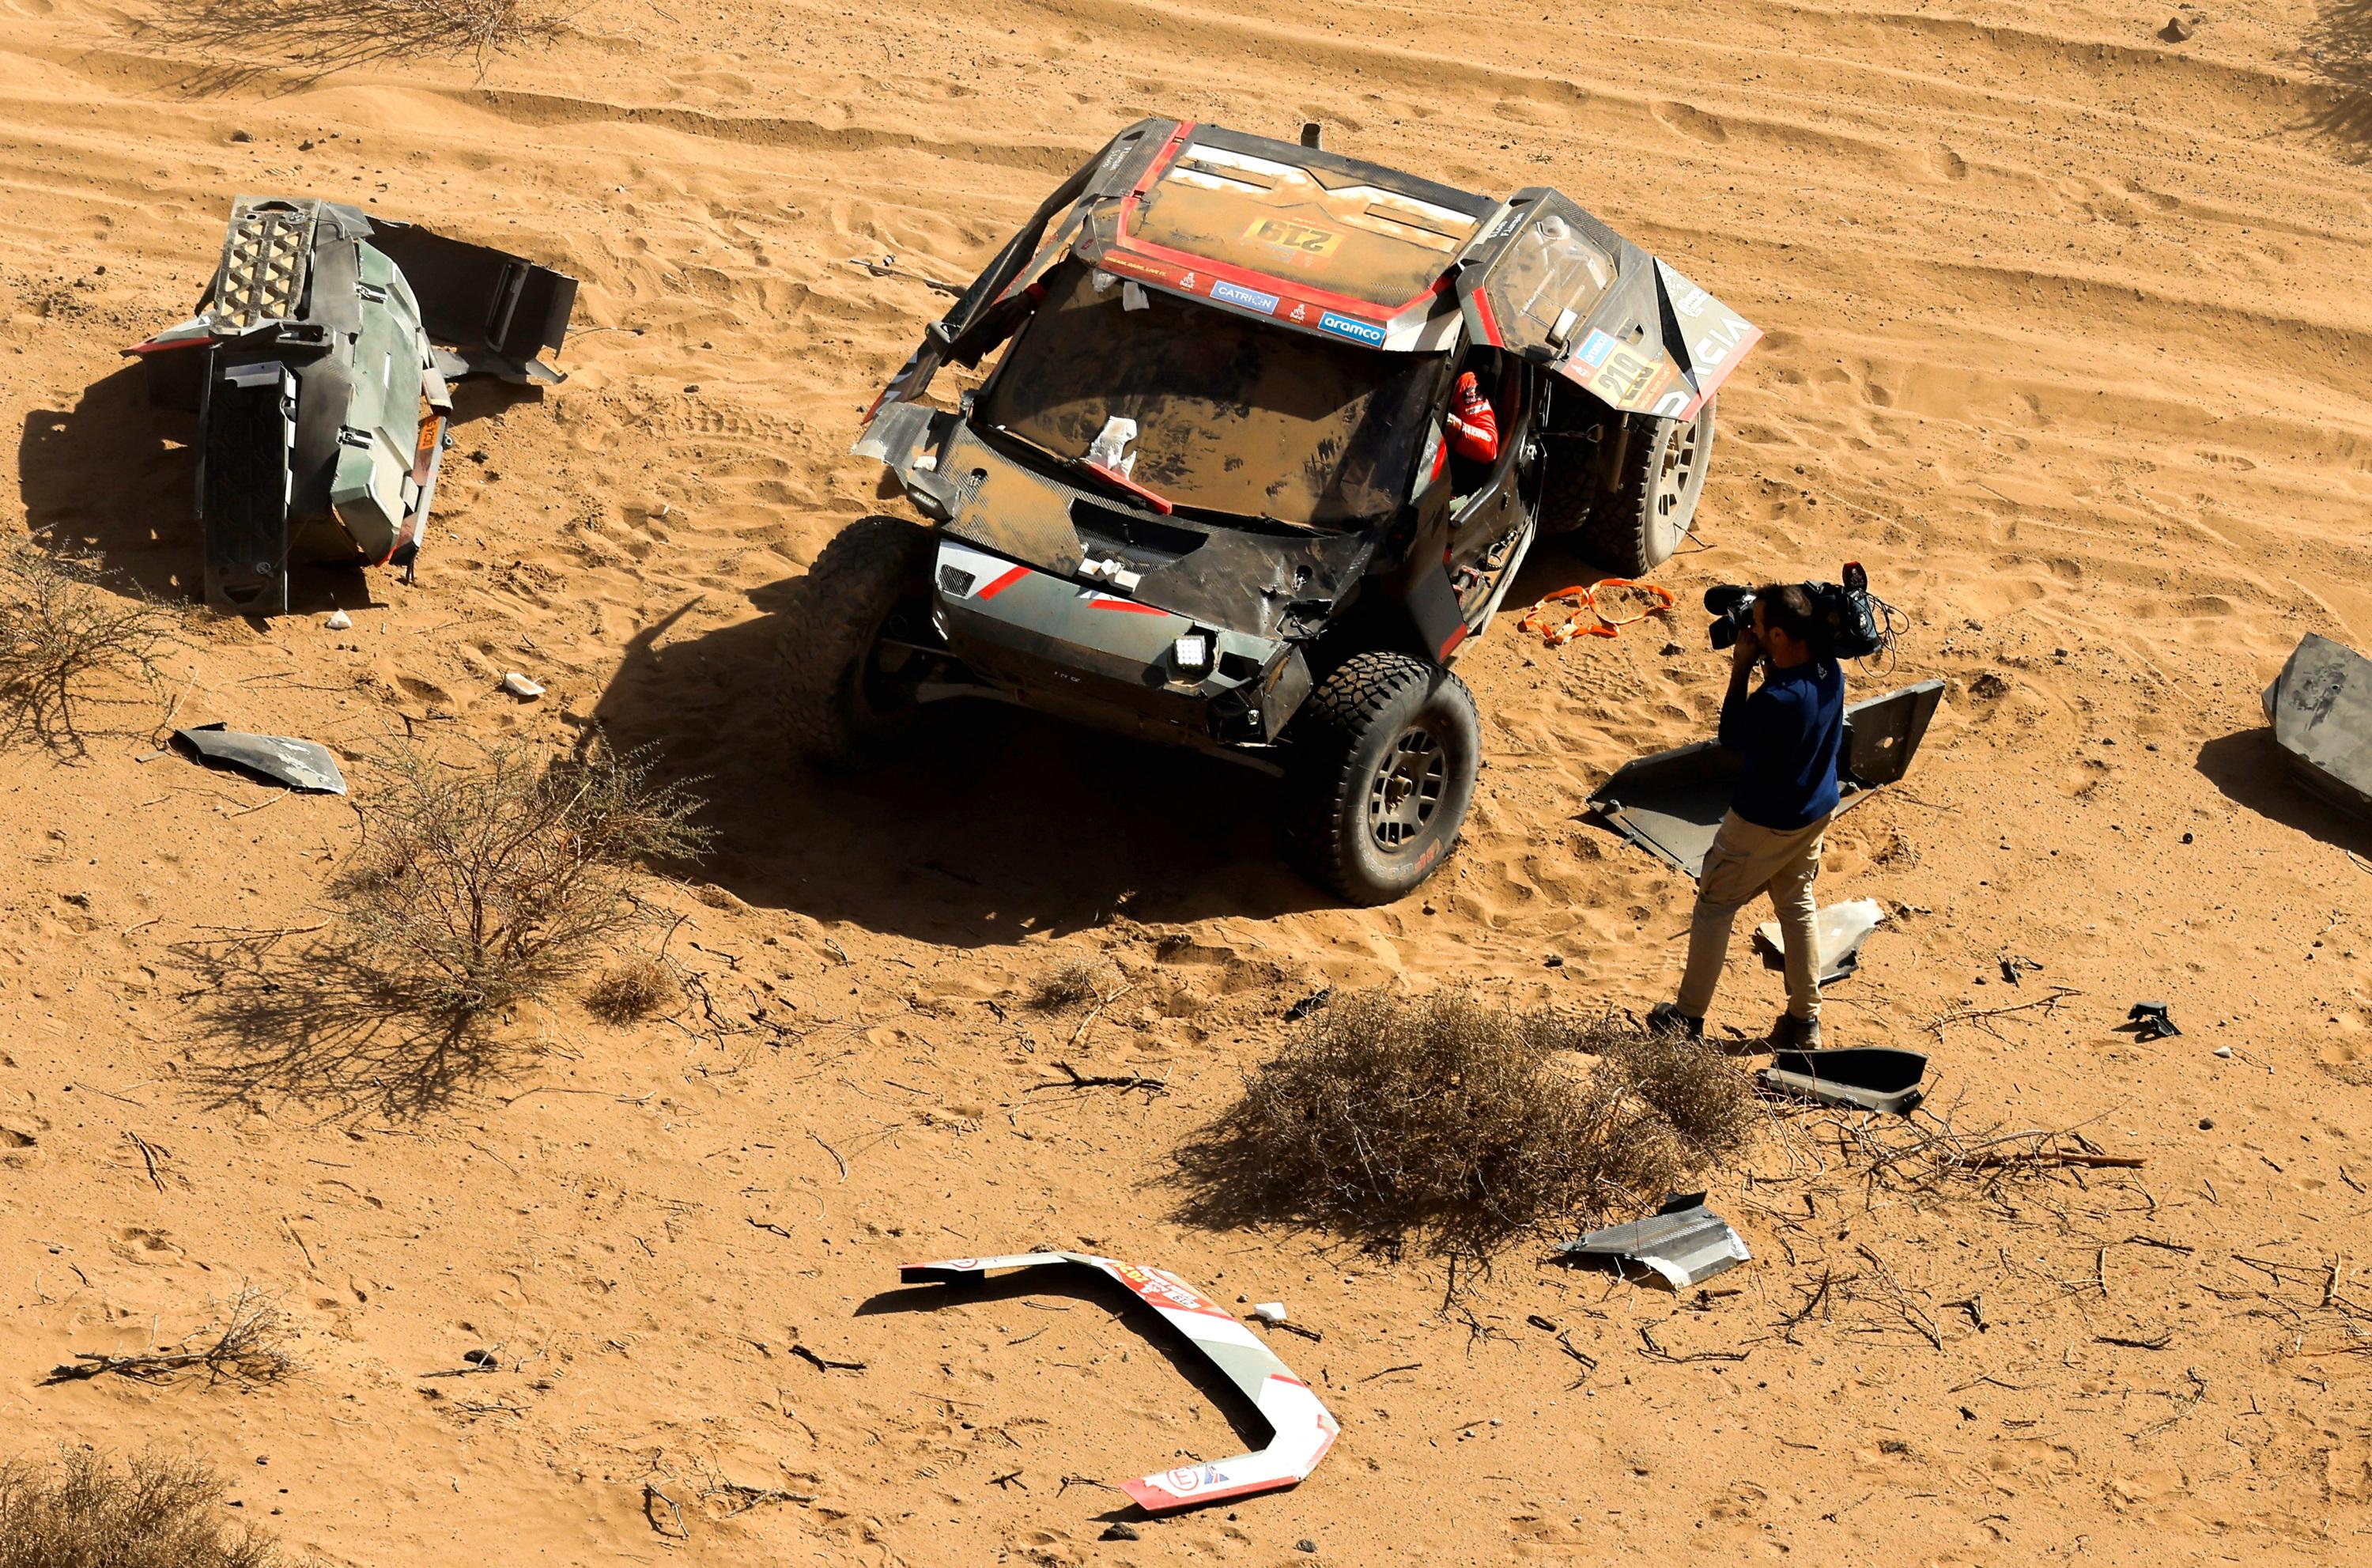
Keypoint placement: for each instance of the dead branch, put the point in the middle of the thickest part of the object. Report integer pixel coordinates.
(1936, 1026)
(825, 1364)
(247, 1347)
(740, 1498)
(1077, 1080)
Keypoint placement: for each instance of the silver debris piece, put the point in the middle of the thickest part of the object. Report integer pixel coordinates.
(276, 759)
(1684, 1242)
(2321, 708)
(1842, 930)
(1867, 1077)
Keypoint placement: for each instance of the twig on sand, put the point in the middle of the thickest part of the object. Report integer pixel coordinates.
(827, 1148)
(1097, 1011)
(1077, 1080)
(1938, 1025)
(148, 1154)
(825, 1364)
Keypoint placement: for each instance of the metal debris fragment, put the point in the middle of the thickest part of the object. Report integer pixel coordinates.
(276, 759)
(1684, 1242)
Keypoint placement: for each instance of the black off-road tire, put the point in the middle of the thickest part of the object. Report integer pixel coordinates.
(840, 708)
(1634, 528)
(1385, 751)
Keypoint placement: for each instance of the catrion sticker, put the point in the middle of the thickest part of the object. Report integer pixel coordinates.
(1227, 293)
(1368, 332)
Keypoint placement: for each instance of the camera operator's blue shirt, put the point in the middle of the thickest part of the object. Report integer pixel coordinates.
(1789, 732)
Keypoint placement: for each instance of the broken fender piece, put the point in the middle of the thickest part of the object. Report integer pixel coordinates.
(1684, 1242)
(1671, 804)
(2321, 708)
(1842, 930)
(275, 758)
(1867, 1077)
(1301, 1430)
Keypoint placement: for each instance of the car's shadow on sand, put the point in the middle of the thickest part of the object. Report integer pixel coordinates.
(1000, 823)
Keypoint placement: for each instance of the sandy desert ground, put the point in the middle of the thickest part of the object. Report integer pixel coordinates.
(2070, 340)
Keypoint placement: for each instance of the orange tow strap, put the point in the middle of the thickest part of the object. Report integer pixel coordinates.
(1580, 602)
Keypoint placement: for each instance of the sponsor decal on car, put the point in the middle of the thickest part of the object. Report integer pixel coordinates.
(1595, 347)
(1304, 239)
(1227, 293)
(1368, 332)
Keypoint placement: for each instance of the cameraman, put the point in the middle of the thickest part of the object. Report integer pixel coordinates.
(1788, 733)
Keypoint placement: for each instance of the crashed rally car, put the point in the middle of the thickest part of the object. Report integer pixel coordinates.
(322, 401)
(1270, 434)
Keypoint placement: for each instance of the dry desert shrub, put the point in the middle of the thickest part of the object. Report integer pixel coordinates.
(1444, 1120)
(156, 1512)
(490, 883)
(60, 627)
(1073, 981)
(321, 36)
(246, 1344)
(632, 988)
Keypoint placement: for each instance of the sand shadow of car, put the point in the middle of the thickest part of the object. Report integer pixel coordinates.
(116, 476)
(2252, 772)
(1000, 822)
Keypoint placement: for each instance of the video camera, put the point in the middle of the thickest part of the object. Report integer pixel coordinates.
(1848, 622)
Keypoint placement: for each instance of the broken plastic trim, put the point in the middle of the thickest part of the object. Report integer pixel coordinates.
(276, 759)
(1841, 929)
(1868, 1078)
(1684, 1242)
(1301, 1429)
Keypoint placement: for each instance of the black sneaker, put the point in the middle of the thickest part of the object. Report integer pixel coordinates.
(1666, 1018)
(1792, 1033)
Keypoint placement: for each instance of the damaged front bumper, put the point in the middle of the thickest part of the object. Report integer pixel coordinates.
(1098, 657)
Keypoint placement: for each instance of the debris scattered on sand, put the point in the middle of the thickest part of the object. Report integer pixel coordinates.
(276, 759)
(1842, 929)
(520, 686)
(1683, 1242)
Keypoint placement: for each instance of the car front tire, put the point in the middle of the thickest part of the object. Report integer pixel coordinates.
(847, 694)
(1385, 750)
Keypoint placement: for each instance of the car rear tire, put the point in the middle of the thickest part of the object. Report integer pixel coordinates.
(1635, 528)
(1385, 754)
(847, 699)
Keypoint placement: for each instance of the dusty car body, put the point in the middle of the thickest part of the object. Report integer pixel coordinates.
(1208, 493)
(321, 396)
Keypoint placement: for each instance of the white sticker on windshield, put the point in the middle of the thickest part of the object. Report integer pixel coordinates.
(1111, 442)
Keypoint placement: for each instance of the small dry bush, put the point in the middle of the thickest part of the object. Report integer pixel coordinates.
(631, 989)
(1444, 1120)
(246, 1344)
(321, 36)
(1073, 981)
(489, 883)
(62, 626)
(156, 1512)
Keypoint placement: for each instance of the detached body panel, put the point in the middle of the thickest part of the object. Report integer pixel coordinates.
(323, 399)
(1302, 1429)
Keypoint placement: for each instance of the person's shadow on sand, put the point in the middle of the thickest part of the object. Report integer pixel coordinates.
(1000, 823)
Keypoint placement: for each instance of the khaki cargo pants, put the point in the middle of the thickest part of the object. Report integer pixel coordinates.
(1745, 862)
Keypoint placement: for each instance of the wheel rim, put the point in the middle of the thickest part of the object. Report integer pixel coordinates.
(1683, 451)
(1405, 794)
